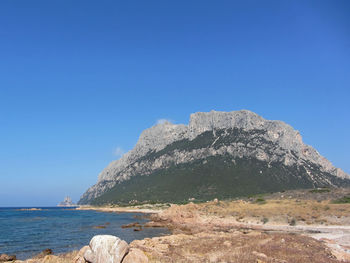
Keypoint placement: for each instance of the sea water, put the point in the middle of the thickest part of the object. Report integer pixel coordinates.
(26, 233)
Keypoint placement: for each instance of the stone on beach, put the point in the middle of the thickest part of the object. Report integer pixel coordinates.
(50, 259)
(135, 256)
(4, 258)
(153, 224)
(44, 253)
(136, 224)
(80, 257)
(106, 248)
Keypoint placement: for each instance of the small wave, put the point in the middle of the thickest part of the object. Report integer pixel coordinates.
(29, 209)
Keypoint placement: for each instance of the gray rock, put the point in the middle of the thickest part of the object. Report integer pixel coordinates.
(106, 248)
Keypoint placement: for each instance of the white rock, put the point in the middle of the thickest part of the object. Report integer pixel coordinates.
(106, 249)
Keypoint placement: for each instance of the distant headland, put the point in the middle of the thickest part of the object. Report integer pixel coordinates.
(66, 202)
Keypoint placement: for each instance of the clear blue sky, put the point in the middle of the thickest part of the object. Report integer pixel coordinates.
(78, 79)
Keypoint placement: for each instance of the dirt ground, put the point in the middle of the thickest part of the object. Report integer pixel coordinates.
(294, 226)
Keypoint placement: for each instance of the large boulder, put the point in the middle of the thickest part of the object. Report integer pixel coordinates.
(106, 249)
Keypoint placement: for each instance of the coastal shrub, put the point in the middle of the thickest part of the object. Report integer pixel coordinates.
(260, 201)
(343, 200)
(292, 222)
(265, 220)
(320, 190)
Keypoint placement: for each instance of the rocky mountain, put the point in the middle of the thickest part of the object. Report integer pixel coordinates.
(218, 154)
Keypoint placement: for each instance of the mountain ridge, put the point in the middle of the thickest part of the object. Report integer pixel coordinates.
(239, 134)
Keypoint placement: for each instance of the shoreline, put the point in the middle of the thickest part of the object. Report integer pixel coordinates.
(276, 230)
(135, 214)
(127, 209)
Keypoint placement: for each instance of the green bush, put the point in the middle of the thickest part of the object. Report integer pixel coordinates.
(292, 222)
(260, 201)
(320, 190)
(265, 220)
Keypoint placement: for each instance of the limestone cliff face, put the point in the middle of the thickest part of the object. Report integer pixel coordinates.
(239, 134)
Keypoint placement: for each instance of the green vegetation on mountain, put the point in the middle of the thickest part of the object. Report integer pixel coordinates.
(216, 177)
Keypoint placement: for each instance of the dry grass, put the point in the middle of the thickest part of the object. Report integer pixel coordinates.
(280, 211)
(226, 231)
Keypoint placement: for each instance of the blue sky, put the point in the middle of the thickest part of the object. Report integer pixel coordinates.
(80, 80)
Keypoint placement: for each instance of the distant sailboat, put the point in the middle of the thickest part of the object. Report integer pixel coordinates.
(67, 202)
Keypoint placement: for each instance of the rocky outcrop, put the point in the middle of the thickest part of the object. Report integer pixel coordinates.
(237, 134)
(111, 249)
(102, 249)
(5, 258)
(67, 202)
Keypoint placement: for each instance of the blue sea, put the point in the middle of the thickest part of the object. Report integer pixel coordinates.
(27, 233)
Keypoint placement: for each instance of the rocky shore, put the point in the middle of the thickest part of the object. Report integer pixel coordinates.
(278, 228)
(102, 249)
